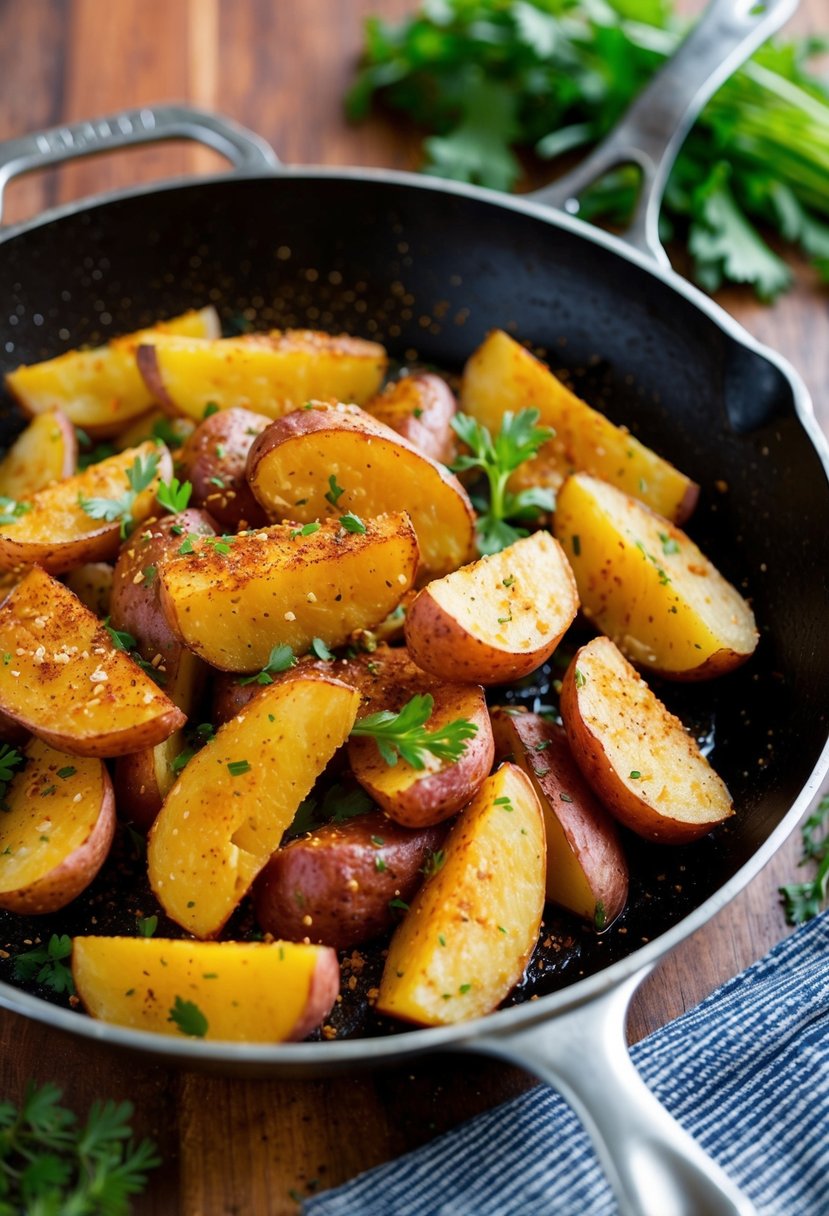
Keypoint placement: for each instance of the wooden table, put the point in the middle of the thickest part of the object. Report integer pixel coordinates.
(243, 1146)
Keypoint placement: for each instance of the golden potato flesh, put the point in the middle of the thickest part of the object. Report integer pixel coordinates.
(58, 534)
(101, 390)
(63, 679)
(228, 810)
(269, 373)
(46, 451)
(501, 375)
(244, 992)
(56, 829)
(292, 463)
(646, 585)
(465, 941)
(497, 619)
(232, 602)
(636, 755)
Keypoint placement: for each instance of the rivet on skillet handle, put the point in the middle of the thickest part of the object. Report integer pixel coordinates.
(247, 152)
(653, 130)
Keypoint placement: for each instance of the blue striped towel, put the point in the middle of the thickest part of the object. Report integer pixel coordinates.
(746, 1073)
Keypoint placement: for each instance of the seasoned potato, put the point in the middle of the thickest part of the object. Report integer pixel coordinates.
(470, 931)
(635, 754)
(245, 992)
(501, 375)
(45, 452)
(214, 460)
(270, 373)
(286, 584)
(155, 424)
(497, 619)
(586, 867)
(101, 390)
(56, 533)
(228, 810)
(62, 678)
(326, 459)
(646, 585)
(143, 780)
(336, 885)
(55, 833)
(421, 409)
(92, 584)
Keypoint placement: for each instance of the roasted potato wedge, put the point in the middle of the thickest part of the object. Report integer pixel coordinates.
(336, 885)
(497, 619)
(244, 992)
(55, 833)
(468, 936)
(501, 375)
(270, 373)
(101, 389)
(586, 868)
(636, 755)
(214, 461)
(421, 409)
(228, 810)
(62, 678)
(646, 585)
(46, 451)
(155, 424)
(336, 459)
(286, 584)
(92, 584)
(144, 779)
(56, 533)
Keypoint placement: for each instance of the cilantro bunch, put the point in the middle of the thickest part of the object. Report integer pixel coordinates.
(487, 77)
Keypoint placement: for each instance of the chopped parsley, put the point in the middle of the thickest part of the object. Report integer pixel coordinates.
(334, 491)
(188, 1018)
(353, 523)
(237, 768)
(280, 659)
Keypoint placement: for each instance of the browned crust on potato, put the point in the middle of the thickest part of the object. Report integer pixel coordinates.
(214, 460)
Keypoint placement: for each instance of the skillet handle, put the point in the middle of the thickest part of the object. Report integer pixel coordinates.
(654, 129)
(247, 152)
(653, 1166)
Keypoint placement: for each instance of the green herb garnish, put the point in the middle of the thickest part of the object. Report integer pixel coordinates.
(280, 659)
(174, 495)
(803, 900)
(45, 965)
(404, 734)
(139, 477)
(11, 511)
(189, 1018)
(334, 491)
(353, 523)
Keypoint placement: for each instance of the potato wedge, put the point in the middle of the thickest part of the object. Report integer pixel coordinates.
(646, 585)
(421, 409)
(468, 936)
(62, 678)
(214, 461)
(244, 992)
(155, 424)
(56, 830)
(270, 373)
(101, 389)
(586, 868)
(143, 780)
(335, 886)
(227, 812)
(278, 585)
(497, 619)
(92, 584)
(325, 460)
(636, 755)
(501, 375)
(45, 452)
(56, 533)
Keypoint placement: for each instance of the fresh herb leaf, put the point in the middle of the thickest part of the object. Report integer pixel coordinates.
(319, 648)
(334, 491)
(353, 523)
(189, 1018)
(281, 659)
(146, 925)
(803, 900)
(45, 965)
(174, 495)
(11, 511)
(237, 768)
(404, 734)
(139, 477)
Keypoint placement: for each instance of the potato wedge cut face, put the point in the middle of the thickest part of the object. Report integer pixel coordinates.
(468, 935)
(244, 992)
(646, 585)
(279, 586)
(56, 830)
(501, 375)
(638, 757)
(497, 619)
(291, 463)
(62, 678)
(45, 452)
(227, 813)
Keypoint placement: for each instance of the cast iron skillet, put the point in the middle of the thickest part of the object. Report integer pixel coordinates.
(428, 268)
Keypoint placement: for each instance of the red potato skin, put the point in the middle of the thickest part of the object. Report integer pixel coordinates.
(322, 993)
(218, 448)
(147, 362)
(326, 888)
(421, 409)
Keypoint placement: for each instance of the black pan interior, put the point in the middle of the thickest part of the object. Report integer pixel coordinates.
(428, 273)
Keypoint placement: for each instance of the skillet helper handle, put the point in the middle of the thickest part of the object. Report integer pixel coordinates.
(246, 151)
(654, 129)
(653, 1166)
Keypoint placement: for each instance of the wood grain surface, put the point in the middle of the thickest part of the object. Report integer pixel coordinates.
(249, 1147)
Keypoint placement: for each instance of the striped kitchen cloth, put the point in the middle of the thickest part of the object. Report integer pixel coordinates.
(746, 1073)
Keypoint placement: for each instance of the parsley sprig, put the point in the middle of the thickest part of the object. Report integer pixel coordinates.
(280, 659)
(10, 760)
(404, 735)
(11, 511)
(803, 900)
(45, 965)
(518, 440)
(124, 641)
(174, 495)
(139, 477)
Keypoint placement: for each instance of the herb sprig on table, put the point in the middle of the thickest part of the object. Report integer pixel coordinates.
(804, 900)
(489, 76)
